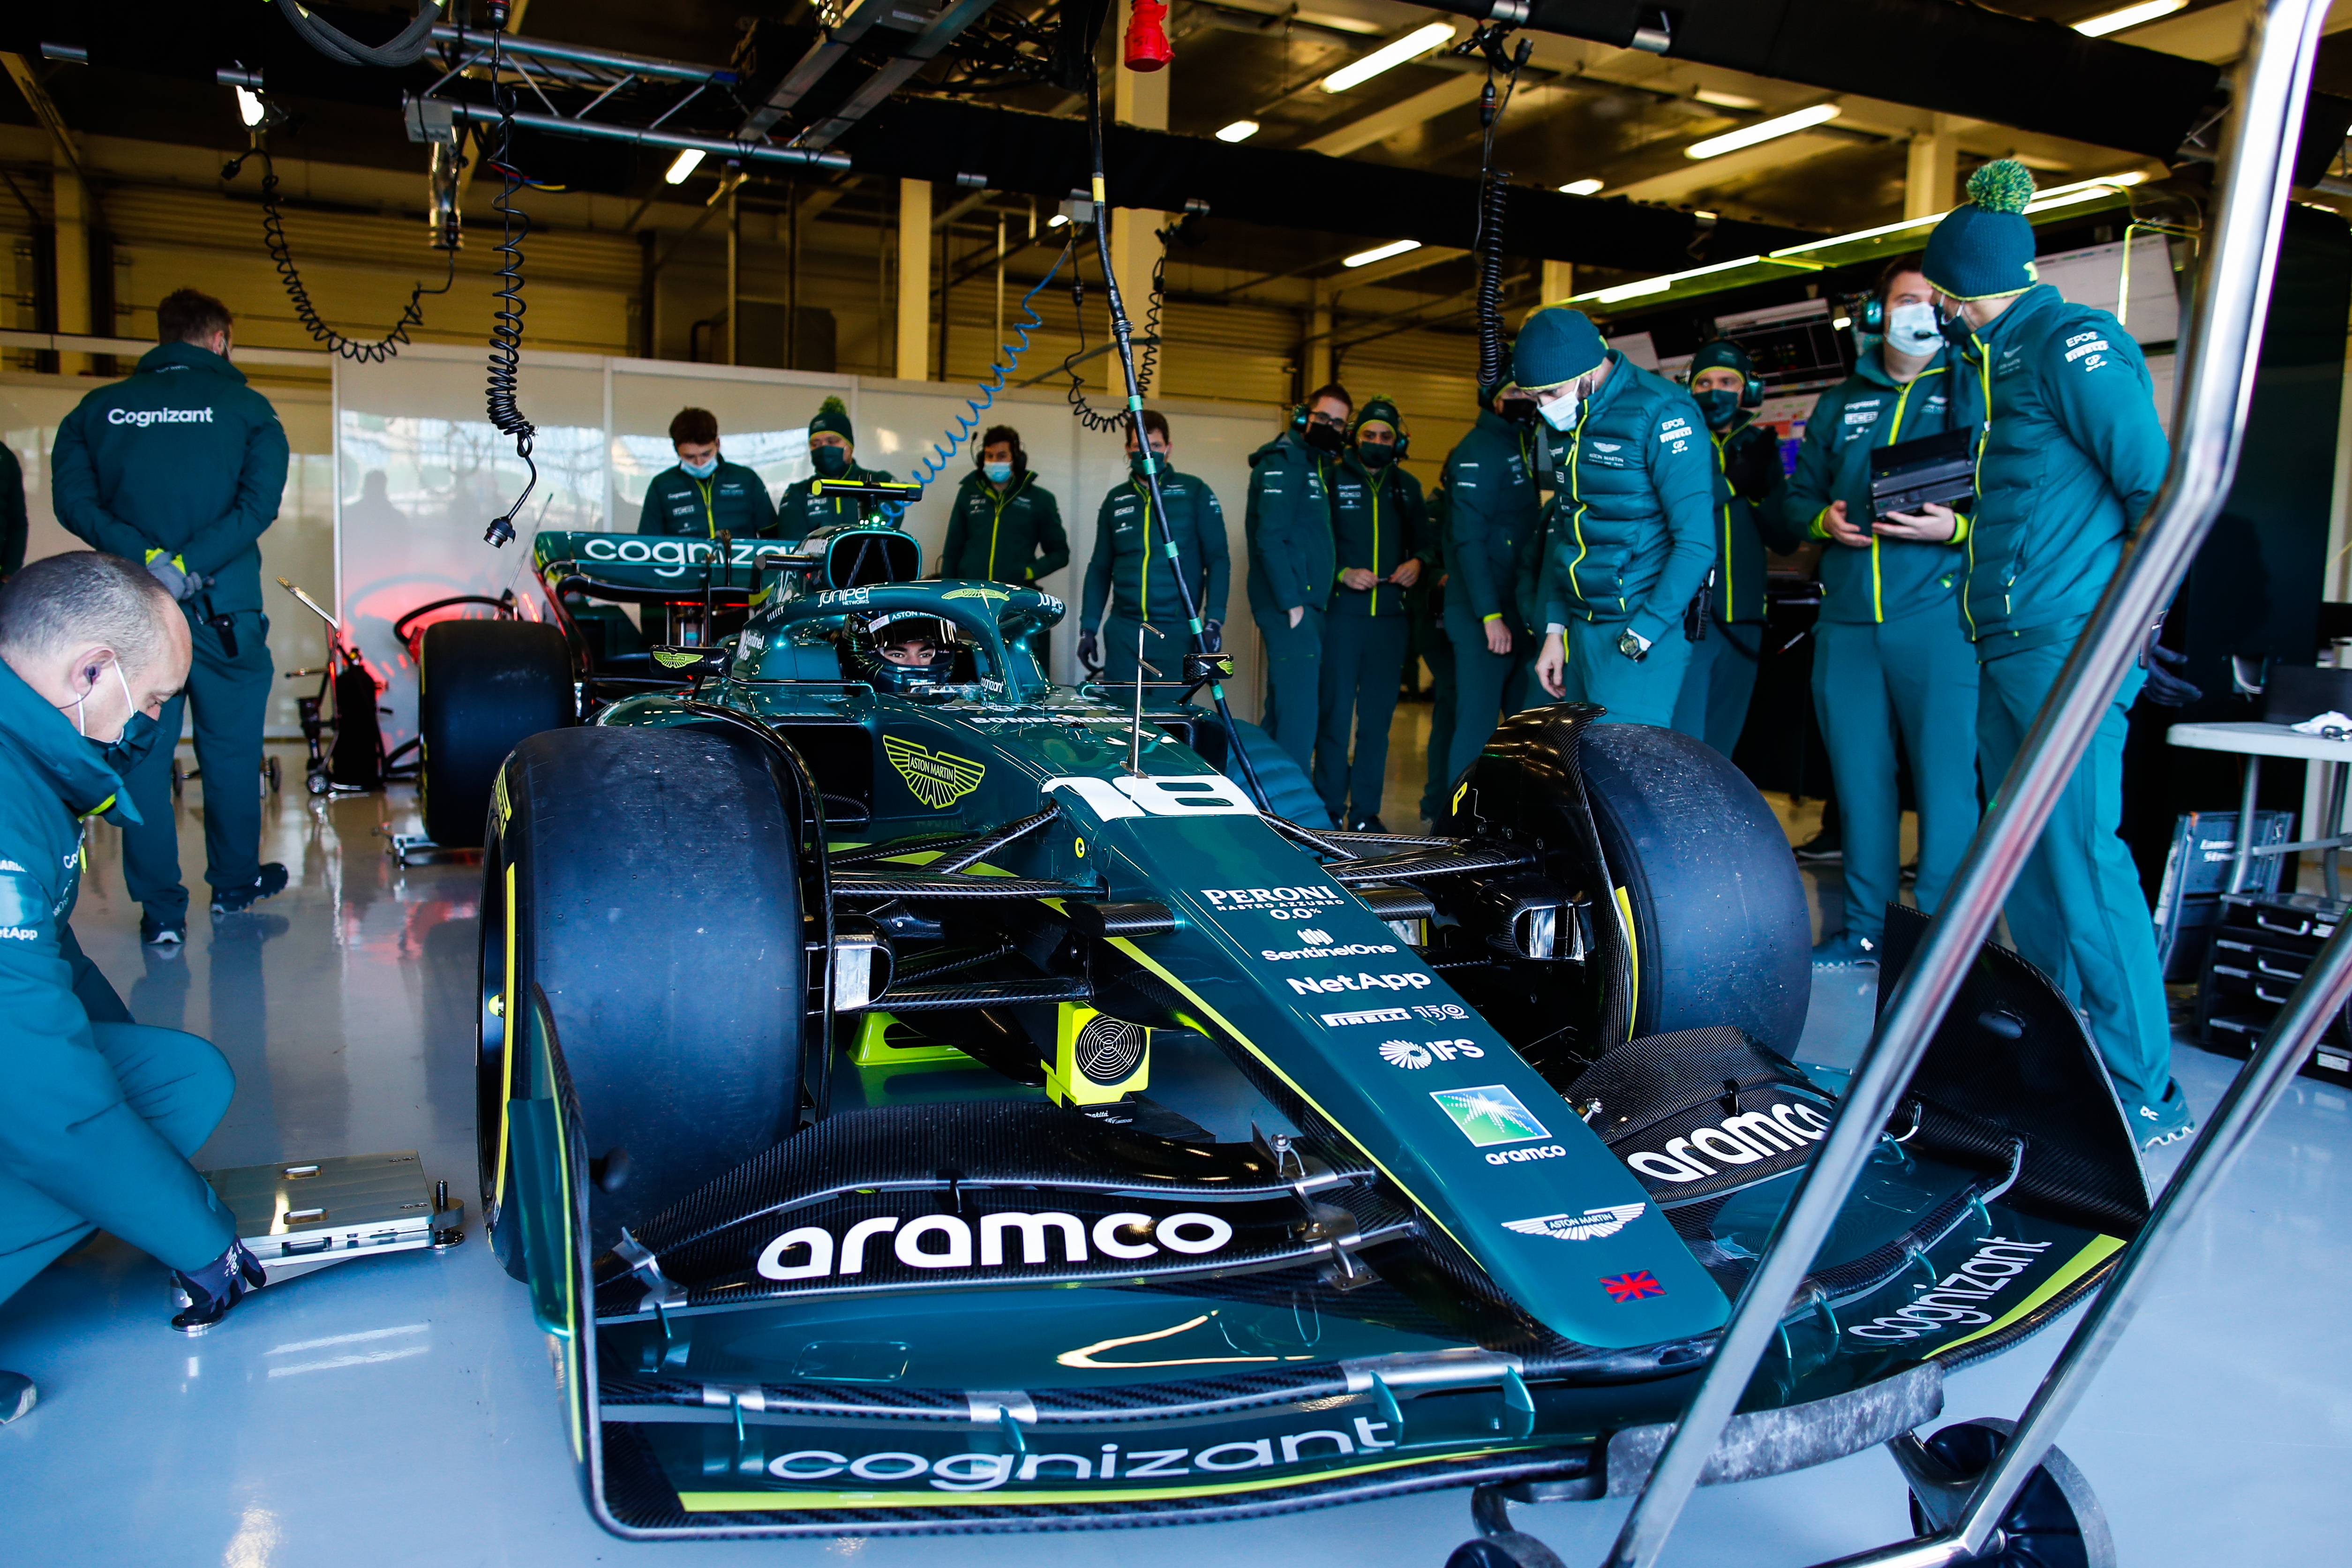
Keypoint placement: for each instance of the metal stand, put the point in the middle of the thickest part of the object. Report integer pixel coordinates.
(2217, 388)
(414, 849)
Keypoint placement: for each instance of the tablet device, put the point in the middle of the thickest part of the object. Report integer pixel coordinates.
(1910, 474)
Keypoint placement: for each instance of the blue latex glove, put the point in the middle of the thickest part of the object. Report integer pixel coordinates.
(216, 1287)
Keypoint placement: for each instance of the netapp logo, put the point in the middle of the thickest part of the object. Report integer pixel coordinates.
(1957, 1299)
(983, 1472)
(946, 1241)
(1362, 982)
(144, 417)
(1740, 1140)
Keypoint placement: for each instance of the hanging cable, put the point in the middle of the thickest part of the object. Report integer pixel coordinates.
(1083, 410)
(506, 331)
(1122, 337)
(410, 45)
(967, 425)
(1494, 197)
(273, 238)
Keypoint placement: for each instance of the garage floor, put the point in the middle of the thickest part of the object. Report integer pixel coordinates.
(401, 1410)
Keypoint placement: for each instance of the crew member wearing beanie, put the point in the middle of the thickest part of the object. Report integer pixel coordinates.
(1379, 533)
(2071, 460)
(1629, 529)
(1494, 548)
(833, 447)
(1721, 679)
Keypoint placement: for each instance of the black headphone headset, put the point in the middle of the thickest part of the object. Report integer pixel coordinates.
(1869, 314)
(1404, 436)
(1297, 417)
(1751, 386)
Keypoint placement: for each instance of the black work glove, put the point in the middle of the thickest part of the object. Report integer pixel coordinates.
(1089, 650)
(1212, 636)
(2164, 688)
(1752, 467)
(216, 1287)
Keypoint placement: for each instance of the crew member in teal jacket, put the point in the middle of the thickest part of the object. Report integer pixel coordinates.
(101, 1113)
(1286, 527)
(703, 494)
(2071, 460)
(1889, 652)
(15, 524)
(1630, 526)
(1713, 704)
(181, 467)
(1425, 610)
(833, 449)
(1130, 573)
(1494, 550)
(1381, 533)
(1006, 527)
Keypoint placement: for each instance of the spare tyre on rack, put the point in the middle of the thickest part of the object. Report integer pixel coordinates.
(483, 687)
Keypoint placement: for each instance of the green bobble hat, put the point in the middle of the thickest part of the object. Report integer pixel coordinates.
(1380, 411)
(833, 415)
(1555, 347)
(1985, 248)
(1723, 354)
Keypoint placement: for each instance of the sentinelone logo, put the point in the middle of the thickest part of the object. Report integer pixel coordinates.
(143, 417)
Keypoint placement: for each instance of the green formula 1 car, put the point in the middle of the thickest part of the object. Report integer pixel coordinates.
(922, 1097)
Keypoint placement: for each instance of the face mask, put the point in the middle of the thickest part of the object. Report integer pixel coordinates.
(700, 470)
(998, 473)
(1561, 413)
(1325, 437)
(1372, 454)
(1519, 409)
(131, 746)
(1718, 406)
(1911, 330)
(1955, 327)
(832, 462)
(1135, 464)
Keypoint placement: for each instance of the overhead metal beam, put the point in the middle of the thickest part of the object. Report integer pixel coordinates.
(594, 130)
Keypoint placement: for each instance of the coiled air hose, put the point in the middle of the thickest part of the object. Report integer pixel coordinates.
(1122, 335)
(273, 239)
(506, 329)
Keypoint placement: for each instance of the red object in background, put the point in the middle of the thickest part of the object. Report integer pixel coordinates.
(1147, 48)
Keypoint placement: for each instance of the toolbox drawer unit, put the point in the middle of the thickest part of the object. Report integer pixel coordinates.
(2260, 951)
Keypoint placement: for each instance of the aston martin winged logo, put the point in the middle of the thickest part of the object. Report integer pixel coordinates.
(1591, 1223)
(982, 594)
(937, 778)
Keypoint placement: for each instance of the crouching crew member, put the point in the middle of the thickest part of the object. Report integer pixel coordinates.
(1131, 574)
(1889, 652)
(1494, 552)
(704, 495)
(1380, 532)
(1287, 526)
(101, 1113)
(1721, 679)
(181, 467)
(2071, 460)
(832, 448)
(1628, 536)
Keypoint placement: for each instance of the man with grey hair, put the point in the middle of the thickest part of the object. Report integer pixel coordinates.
(101, 1113)
(181, 467)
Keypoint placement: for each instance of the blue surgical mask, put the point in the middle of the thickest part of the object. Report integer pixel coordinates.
(1718, 406)
(1911, 330)
(1561, 413)
(832, 462)
(700, 470)
(998, 473)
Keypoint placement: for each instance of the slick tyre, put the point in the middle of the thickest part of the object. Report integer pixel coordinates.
(645, 880)
(482, 687)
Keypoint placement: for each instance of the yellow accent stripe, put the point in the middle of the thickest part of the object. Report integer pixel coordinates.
(1877, 586)
(506, 1049)
(769, 1501)
(2101, 1248)
(1723, 555)
(1632, 954)
(1223, 1022)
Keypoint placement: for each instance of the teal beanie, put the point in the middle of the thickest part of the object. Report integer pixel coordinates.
(1556, 346)
(1380, 411)
(1985, 248)
(1724, 354)
(833, 415)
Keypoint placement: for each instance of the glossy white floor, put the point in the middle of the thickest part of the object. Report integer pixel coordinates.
(401, 1411)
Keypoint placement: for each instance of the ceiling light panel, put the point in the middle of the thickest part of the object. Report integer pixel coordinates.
(1762, 132)
(1381, 253)
(1412, 46)
(2099, 27)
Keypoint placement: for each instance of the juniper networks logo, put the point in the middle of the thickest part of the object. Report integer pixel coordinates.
(1489, 1115)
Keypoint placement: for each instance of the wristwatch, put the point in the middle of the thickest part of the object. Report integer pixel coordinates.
(1632, 646)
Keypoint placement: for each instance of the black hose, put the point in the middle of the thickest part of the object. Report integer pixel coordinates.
(1493, 197)
(506, 333)
(1122, 334)
(273, 239)
(405, 48)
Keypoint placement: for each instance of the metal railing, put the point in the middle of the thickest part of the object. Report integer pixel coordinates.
(2216, 389)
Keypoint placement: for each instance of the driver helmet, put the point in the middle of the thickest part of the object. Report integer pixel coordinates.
(905, 650)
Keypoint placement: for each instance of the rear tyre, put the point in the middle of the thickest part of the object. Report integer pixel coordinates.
(645, 879)
(482, 687)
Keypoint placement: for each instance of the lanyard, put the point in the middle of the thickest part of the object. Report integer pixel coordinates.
(709, 516)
